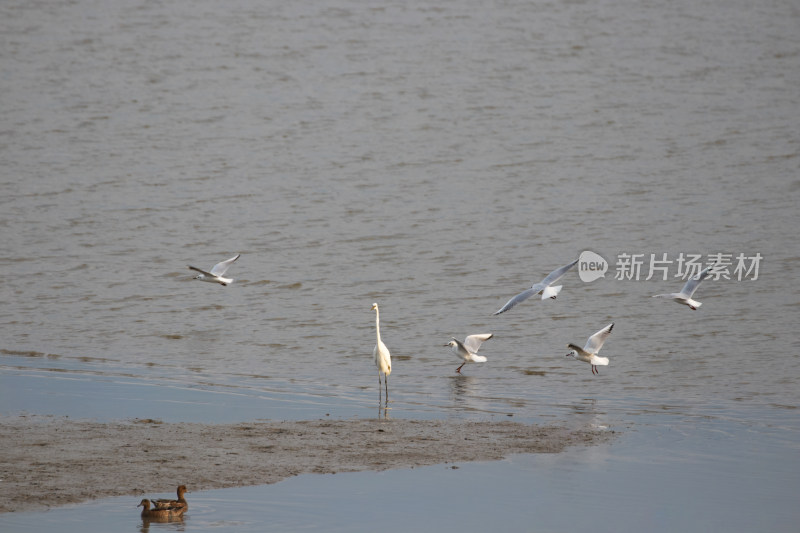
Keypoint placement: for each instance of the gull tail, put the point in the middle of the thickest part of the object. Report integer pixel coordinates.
(551, 292)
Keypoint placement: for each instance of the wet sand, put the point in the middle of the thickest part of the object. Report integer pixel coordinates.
(52, 461)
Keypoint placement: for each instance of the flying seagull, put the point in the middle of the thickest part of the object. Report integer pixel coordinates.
(544, 287)
(216, 273)
(685, 296)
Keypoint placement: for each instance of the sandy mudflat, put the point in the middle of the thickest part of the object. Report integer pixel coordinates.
(49, 461)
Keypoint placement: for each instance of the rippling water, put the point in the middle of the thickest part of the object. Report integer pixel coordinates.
(434, 158)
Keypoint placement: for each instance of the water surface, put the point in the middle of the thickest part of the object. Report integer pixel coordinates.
(436, 159)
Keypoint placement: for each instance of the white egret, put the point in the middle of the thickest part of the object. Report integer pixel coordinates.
(588, 354)
(216, 273)
(685, 296)
(544, 287)
(381, 355)
(468, 350)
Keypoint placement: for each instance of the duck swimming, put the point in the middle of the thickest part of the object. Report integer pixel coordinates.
(160, 515)
(173, 504)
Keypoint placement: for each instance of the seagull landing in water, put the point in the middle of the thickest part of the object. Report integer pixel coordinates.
(685, 296)
(543, 287)
(216, 273)
(588, 354)
(468, 350)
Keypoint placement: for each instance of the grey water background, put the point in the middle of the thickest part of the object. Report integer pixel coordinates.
(436, 158)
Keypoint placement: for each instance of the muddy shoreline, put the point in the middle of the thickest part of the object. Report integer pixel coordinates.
(51, 461)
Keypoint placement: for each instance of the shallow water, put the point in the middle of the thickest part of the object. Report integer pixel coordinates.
(681, 483)
(435, 159)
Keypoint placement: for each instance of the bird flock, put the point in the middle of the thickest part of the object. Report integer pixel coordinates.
(467, 351)
(169, 510)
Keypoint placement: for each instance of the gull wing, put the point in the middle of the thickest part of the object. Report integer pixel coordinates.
(596, 341)
(519, 298)
(210, 275)
(557, 274)
(670, 295)
(460, 345)
(220, 268)
(473, 342)
(693, 283)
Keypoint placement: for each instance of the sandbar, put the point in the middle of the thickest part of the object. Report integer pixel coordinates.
(49, 461)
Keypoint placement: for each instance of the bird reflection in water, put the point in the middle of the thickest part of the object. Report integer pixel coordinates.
(463, 388)
(177, 521)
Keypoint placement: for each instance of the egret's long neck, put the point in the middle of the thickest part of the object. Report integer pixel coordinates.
(378, 324)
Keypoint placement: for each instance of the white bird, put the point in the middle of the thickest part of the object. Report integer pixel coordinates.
(685, 296)
(216, 273)
(468, 350)
(588, 354)
(543, 287)
(381, 355)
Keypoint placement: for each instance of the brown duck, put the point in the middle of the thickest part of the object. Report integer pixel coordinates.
(160, 515)
(173, 504)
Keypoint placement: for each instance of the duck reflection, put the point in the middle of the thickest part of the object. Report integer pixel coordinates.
(176, 524)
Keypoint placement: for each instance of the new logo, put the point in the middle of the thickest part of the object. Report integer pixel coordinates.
(591, 266)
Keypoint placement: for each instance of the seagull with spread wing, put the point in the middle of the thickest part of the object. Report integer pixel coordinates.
(685, 296)
(216, 273)
(544, 287)
(468, 350)
(588, 354)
